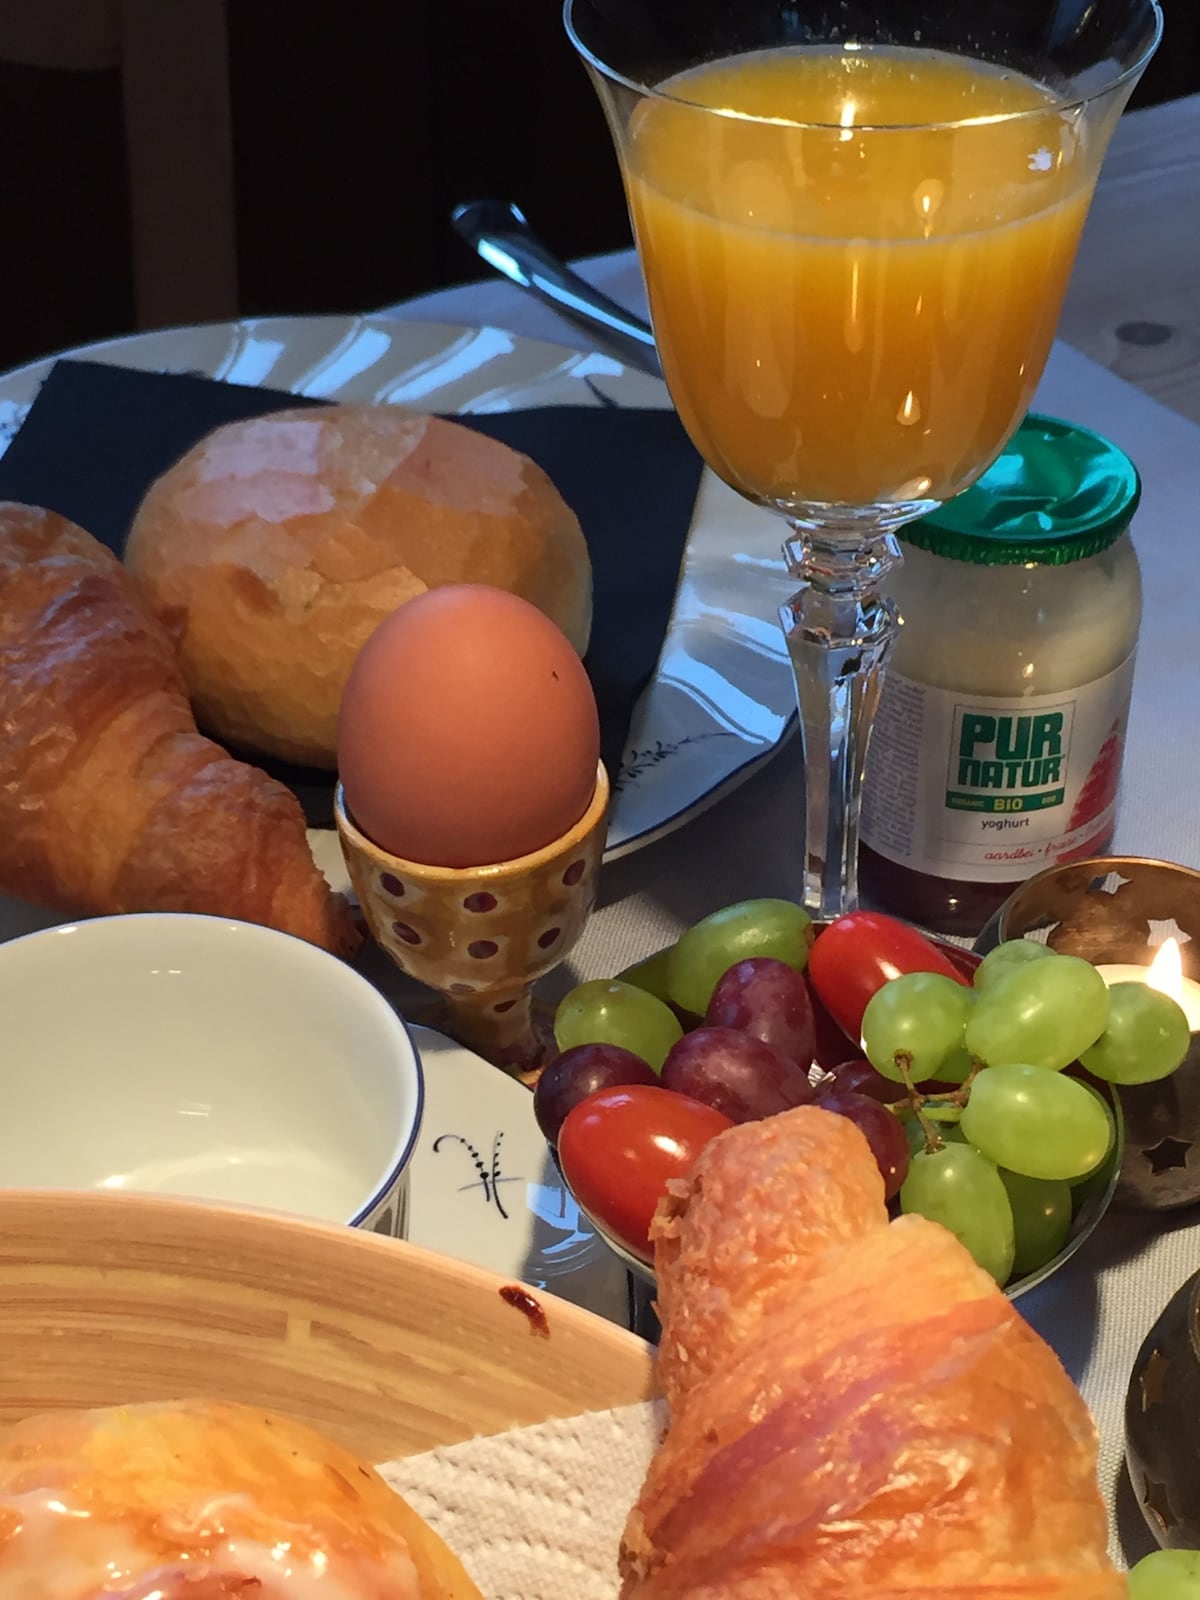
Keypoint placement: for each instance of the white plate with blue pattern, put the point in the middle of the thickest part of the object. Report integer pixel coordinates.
(484, 1188)
(721, 701)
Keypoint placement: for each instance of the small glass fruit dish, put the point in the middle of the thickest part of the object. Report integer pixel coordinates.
(964, 1075)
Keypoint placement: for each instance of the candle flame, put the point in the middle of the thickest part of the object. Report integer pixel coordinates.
(1166, 971)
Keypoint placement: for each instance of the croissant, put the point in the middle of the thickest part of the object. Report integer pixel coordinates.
(205, 1500)
(110, 800)
(855, 1408)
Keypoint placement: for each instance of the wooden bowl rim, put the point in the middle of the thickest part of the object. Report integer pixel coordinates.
(25, 1209)
(88, 1249)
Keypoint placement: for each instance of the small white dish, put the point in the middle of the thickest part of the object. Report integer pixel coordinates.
(485, 1189)
(195, 1056)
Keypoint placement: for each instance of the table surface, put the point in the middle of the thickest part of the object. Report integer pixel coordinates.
(1134, 307)
(1134, 300)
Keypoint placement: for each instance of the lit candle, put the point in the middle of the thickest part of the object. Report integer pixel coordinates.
(1165, 973)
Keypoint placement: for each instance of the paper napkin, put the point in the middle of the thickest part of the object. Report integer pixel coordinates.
(537, 1513)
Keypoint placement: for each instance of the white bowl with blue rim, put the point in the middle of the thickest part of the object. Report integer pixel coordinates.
(192, 1055)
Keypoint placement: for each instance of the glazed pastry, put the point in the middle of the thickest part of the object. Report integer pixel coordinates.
(110, 800)
(855, 1407)
(205, 1501)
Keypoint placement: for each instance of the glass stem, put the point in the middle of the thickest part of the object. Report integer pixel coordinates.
(840, 630)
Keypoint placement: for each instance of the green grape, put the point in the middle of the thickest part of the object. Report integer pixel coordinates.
(1041, 1209)
(1095, 1181)
(1147, 1036)
(705, 953)
(1042, 1014)
(606, 1011)
(1035, 1122)
(946, 1113)
(914, 1132)
(957, 1066)
(1166, 1575)
(650, 975)
(1007, 957)
(919, 1015)
(961, 1189)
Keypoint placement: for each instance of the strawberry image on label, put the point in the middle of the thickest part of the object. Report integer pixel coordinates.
(1097, 797)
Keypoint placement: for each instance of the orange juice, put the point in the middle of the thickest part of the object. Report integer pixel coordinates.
(857, 309)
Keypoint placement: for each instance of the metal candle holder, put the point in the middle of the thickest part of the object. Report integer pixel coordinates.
(1160, 1421)
(1119, 909)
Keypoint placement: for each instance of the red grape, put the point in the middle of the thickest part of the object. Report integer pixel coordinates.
(860, 1077)
(735, 1073)
(579, 1072)
(883, 1130)
(770, 1000)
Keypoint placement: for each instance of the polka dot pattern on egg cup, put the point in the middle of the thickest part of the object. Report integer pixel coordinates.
(481, 936)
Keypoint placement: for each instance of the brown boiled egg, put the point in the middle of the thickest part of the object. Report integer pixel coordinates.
(468, 732)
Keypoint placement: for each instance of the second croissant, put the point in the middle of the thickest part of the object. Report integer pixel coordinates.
(856, 1409)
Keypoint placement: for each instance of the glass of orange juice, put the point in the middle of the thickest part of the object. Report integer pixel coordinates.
(856, 223)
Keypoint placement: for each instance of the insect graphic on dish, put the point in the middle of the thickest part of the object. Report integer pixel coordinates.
(490, 1178)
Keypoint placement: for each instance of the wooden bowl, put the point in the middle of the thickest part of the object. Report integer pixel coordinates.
(110, 1298)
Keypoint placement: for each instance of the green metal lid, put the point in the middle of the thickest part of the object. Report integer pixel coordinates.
(1057, 493)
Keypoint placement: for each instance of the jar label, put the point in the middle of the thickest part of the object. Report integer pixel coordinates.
(990, 790)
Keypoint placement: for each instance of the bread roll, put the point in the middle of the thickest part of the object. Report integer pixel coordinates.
(276, 546)
(205, 1501)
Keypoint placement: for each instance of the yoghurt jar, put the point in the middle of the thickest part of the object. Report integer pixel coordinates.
(997, 748)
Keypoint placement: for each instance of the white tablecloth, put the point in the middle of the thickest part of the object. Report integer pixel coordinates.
(1098, 1308)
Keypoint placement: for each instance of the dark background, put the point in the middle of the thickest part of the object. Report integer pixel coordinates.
(356, 127)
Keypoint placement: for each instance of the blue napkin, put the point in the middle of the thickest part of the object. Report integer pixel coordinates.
(97, 437)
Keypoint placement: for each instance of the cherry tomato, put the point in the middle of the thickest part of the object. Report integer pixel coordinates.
(618, 1148)
(860, 952)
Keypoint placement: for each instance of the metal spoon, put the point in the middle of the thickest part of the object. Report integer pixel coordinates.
(498, 232)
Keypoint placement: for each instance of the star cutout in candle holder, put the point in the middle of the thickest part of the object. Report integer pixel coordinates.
(1164, 928)
(1158, 1505)
(1108, 884)
(1166, 1155)
(1153, 1380)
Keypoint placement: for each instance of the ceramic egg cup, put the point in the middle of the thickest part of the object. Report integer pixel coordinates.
(1106, 909)
(482, 936)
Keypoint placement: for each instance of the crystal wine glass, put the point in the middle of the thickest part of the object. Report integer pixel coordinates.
(856, 223)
